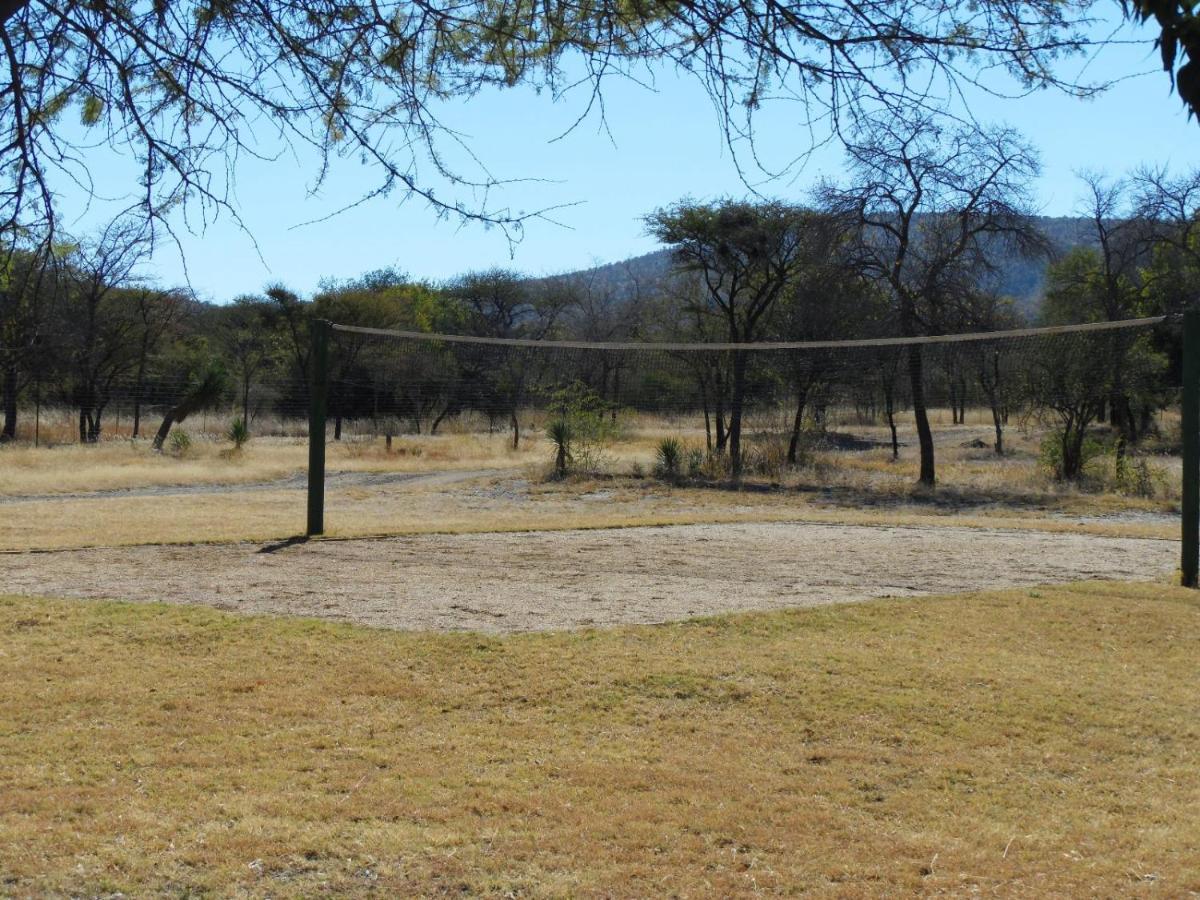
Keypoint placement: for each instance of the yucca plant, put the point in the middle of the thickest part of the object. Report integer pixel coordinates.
(561, 434)
(669, 458)
(238, 433)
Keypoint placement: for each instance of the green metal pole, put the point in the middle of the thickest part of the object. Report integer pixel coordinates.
(319, 389)
(1190, 560)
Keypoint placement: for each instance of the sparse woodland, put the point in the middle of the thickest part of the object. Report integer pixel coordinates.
(915, 241)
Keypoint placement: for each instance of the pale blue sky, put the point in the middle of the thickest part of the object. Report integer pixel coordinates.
(661, 145)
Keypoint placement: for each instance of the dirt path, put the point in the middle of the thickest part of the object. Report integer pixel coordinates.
(293, 482)
(568, 579)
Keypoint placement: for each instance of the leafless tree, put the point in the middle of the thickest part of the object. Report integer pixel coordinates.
(932, 206)
(1172, 203)
(103, 333)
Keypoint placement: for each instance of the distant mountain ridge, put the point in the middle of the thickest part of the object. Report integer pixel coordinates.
(1022, 279)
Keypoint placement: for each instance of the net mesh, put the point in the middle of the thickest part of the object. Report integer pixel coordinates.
(416, 383)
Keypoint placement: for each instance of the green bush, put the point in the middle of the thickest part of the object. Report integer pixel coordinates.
(668, 459)
(238, 433)
(562, 436)
(1137, 477)
(1051, 455)
(181, 442)
(583, 424)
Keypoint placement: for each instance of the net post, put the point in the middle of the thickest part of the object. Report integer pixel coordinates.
(1190, 557)
(318, 394)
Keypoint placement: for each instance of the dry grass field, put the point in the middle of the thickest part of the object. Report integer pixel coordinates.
(1024, 743)
(1035, 741)
(120, 493)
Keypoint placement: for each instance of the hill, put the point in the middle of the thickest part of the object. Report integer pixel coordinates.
(1021, 278)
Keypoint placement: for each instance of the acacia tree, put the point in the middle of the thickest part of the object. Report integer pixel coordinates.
(825, 299)
(499, 303)
(746, 255)
(187, 88)
(932, 206)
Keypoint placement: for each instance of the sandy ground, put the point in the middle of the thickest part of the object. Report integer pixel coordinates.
(530, 581)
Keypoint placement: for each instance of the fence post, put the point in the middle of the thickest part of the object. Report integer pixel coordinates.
(318, 391)
(1190, 558)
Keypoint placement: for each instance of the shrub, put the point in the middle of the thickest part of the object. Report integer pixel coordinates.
(1137, 477)
(668, 458)
(238, 433)
(765, 456)
(181, 442)
(561, 435)
(583, 424)
(1052, 459)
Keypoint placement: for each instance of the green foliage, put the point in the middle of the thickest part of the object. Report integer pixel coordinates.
(181, 443)
(1178, 40)
(238, 433)
(1137, 477)
(1058, 458)
(561, 434)
(92, 110)
(582, 424)
(669, 458)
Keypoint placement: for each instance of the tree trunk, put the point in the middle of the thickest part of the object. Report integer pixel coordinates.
(735, 414)
(797, 425)
(999, 447)
(719, 402)
(708, 441)
(163, 430)
(138, 380)
(516, 428)
(438, 421)
(890, 410)
(1072, 447)
(9, 432)
(916, 374)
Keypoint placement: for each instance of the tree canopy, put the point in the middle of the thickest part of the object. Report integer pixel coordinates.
(187, 89)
